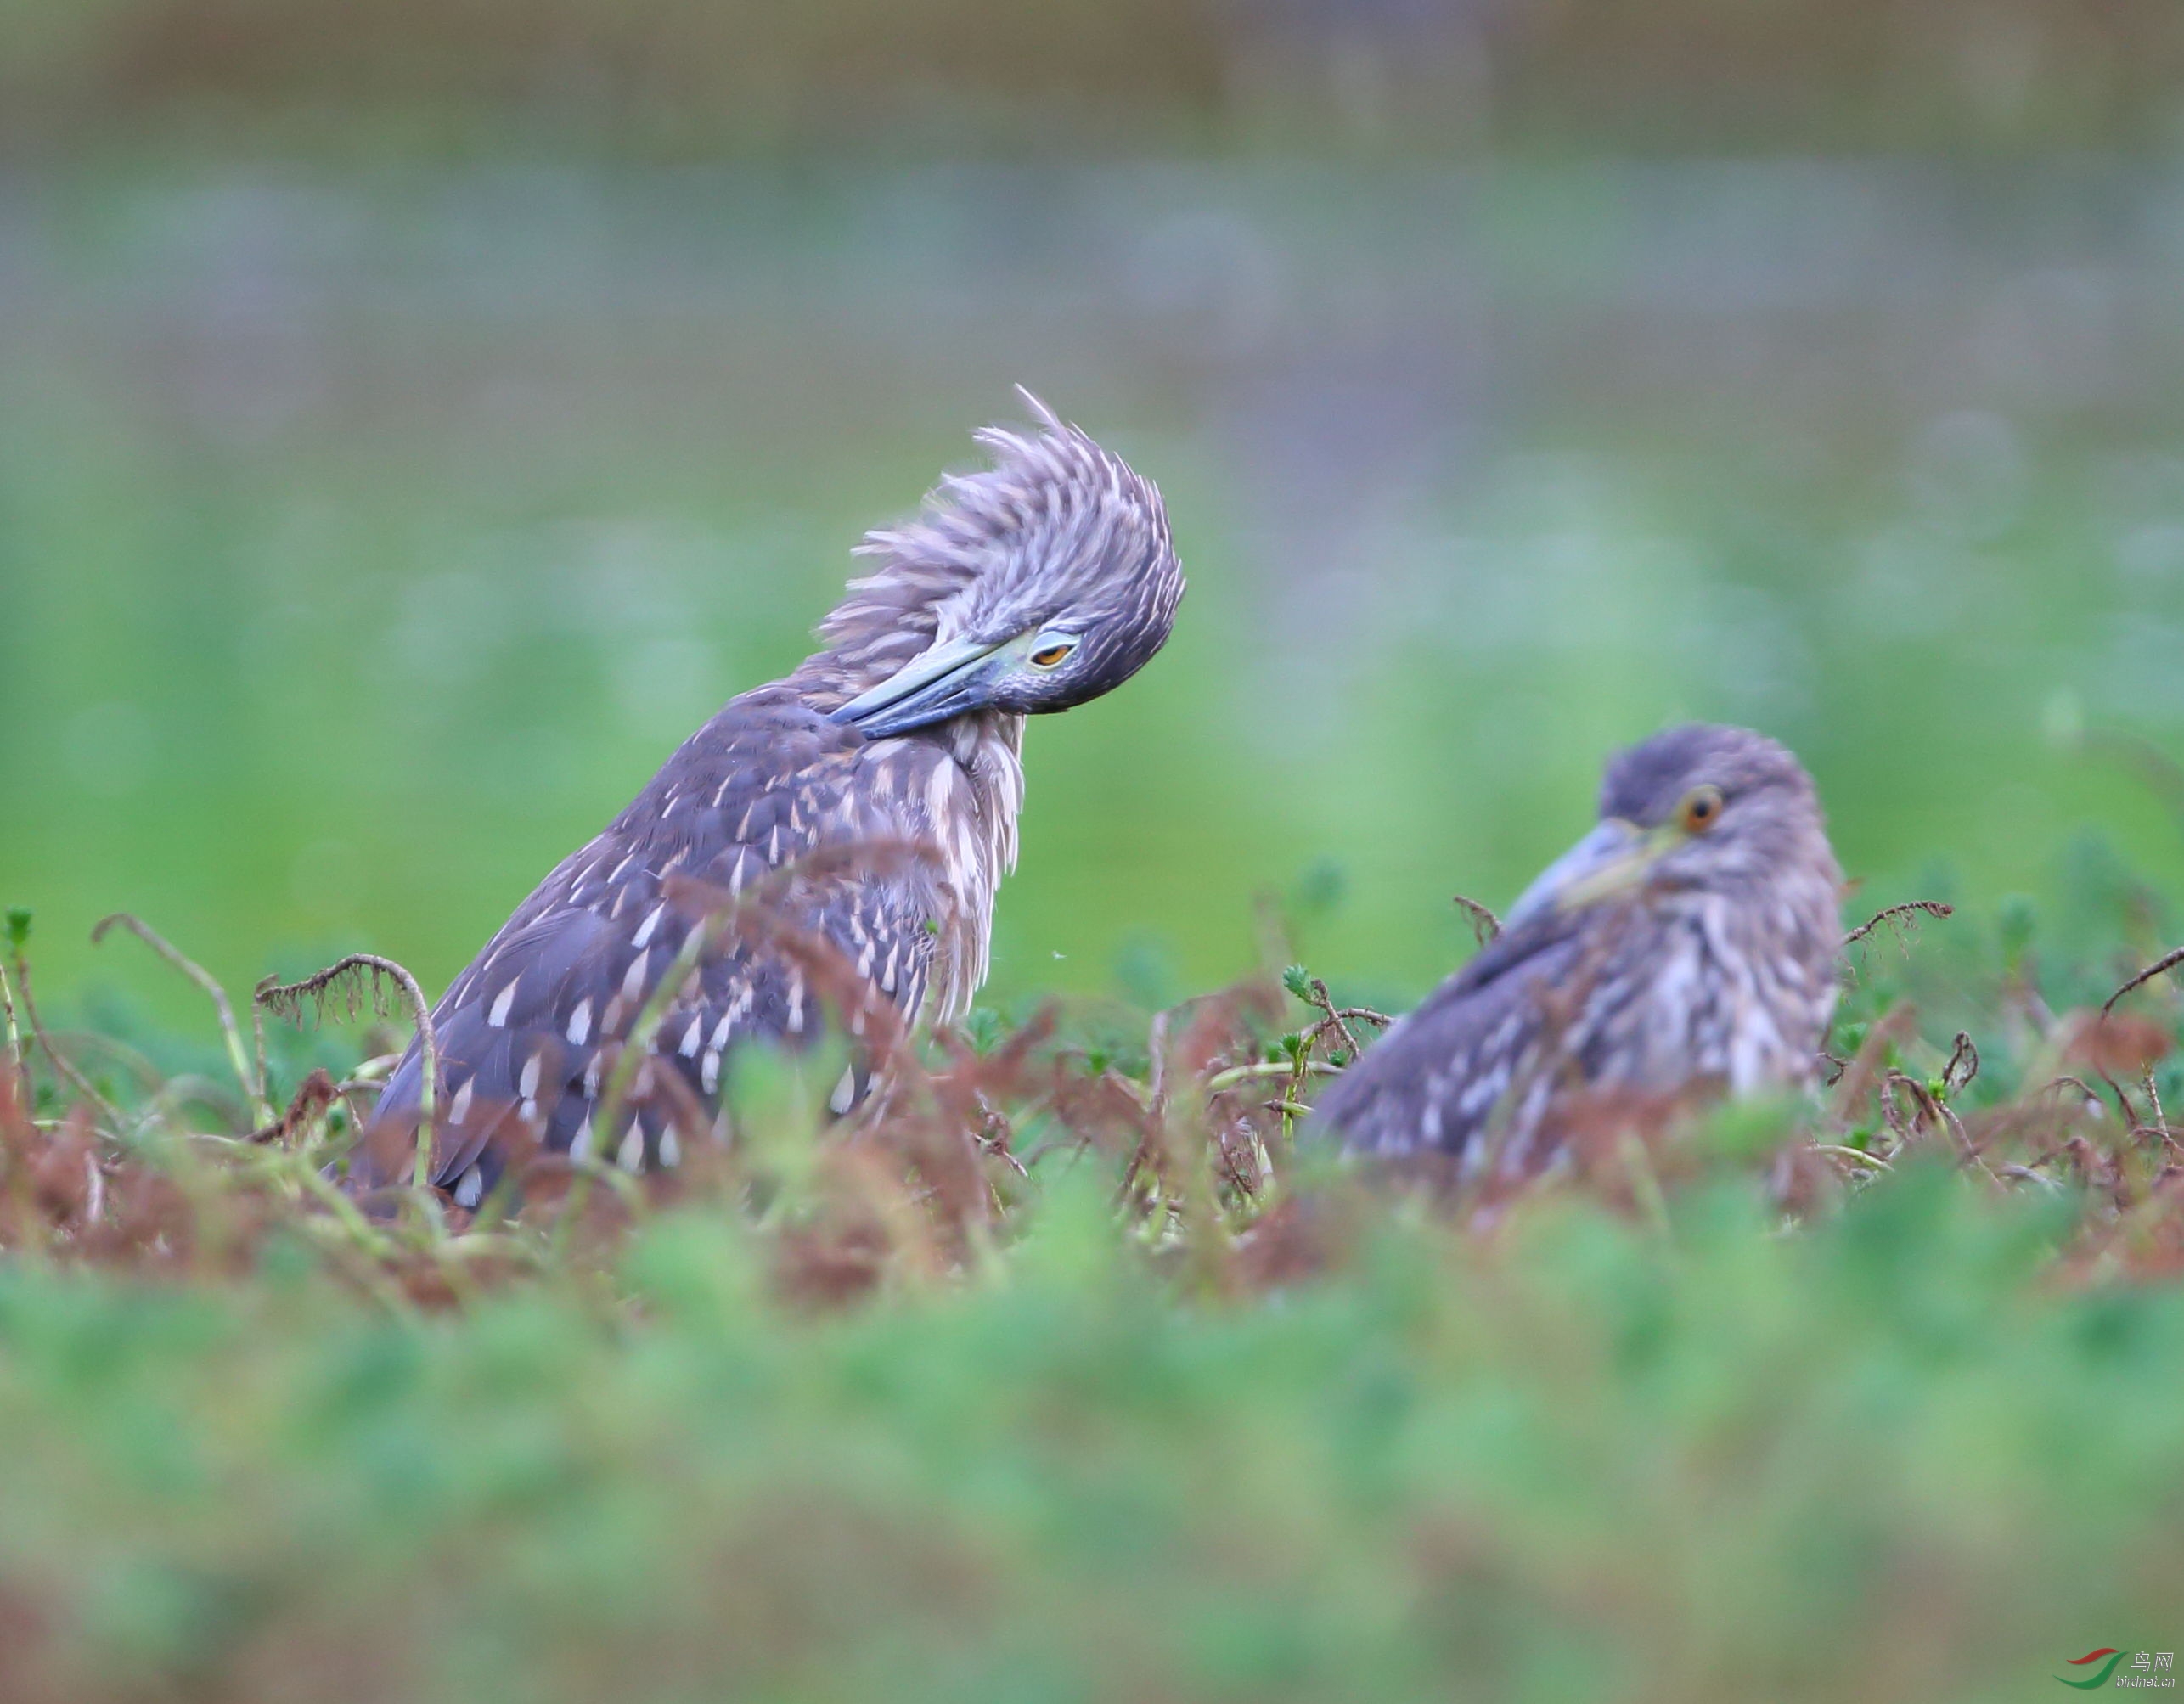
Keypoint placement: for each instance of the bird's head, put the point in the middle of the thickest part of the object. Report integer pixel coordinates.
(1035, 585)
(1719, 810)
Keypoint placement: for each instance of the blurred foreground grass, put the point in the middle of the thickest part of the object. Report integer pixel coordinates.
(1887, 1458)
(1117, 1397)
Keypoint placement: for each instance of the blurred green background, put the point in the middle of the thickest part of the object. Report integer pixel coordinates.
(414, 420)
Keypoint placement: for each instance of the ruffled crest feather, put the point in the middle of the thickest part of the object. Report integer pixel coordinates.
(1053, 500)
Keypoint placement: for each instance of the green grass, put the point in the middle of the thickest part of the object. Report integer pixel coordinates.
(1887, 1458)
(1722, 1415)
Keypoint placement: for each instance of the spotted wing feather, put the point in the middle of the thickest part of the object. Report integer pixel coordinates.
(526, 1033)
(1668, 996)
(1434, 1083)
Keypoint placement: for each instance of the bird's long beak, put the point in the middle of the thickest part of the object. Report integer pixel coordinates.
(940, 683)
(1614, 858)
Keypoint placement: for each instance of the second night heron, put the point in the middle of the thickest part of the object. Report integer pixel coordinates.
(1687, 944)
(1032, 586)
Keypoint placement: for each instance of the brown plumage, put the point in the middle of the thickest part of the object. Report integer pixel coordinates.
(870, 798)
(1688, 945)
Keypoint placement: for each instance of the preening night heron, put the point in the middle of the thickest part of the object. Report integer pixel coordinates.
(1034, 586)
(1688, 944)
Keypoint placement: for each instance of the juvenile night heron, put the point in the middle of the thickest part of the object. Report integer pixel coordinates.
(1686, 945)
(1034, 586)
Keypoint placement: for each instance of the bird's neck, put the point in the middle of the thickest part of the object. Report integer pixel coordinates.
(977, 846)
(826, 680)
(884, 620)
(987, 747)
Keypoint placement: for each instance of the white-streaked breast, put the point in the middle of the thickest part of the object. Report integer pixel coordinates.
(964, 806)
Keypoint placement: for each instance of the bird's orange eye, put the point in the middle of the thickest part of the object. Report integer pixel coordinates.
(1700, 809)
(1047, 656)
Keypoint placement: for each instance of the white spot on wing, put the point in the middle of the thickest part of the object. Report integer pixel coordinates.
(498, 1017)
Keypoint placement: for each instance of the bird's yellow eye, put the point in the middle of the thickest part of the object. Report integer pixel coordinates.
(1700, 809)
(1048, 656)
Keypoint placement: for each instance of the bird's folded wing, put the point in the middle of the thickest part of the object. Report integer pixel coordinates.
(1433, 1081)
(771, 828)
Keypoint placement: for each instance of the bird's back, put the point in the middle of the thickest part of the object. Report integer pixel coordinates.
(1434, 1081)
(1655, 998)
(886, 852)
